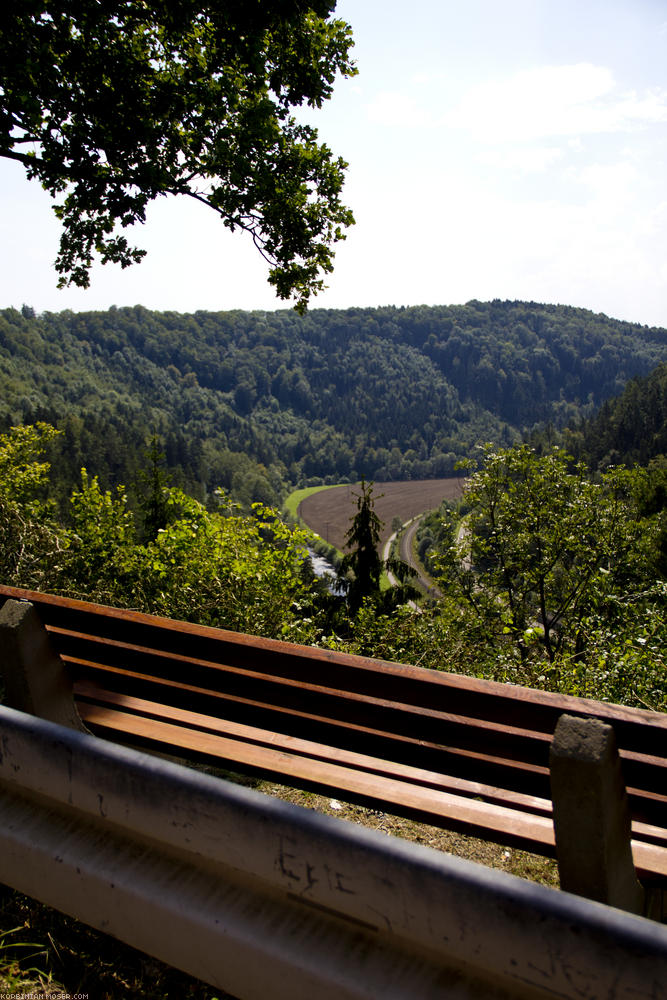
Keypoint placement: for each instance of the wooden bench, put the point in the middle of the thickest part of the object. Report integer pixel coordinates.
(454, 751)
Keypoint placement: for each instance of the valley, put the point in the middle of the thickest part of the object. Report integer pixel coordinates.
(261, 403)
(328, 512)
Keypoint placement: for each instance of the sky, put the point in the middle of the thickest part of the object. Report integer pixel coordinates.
(513, 150)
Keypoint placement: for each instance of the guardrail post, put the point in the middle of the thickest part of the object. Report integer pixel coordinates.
(35, 678)
(591, 815)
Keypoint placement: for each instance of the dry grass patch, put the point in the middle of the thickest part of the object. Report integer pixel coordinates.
(519, 863)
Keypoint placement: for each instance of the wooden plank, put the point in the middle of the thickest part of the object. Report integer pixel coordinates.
(487, 729)
(483, 819)
(487, 820)
(643, 832)
(92, 694)
(123, 616)
(425, 723)
(428, 739)
(520, 775)
(491, 699)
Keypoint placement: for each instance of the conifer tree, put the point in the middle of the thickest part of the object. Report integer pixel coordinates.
(363, 538)
(366, 565)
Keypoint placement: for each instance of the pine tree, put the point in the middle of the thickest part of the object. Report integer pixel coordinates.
(364, 562)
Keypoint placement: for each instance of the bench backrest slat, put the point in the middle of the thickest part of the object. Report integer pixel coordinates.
(425, 718)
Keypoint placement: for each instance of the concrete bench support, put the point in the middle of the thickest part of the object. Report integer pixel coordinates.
(34, 676)
(591, 815)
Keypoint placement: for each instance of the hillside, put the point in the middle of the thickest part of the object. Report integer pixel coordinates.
(628, 429)
(258, 401)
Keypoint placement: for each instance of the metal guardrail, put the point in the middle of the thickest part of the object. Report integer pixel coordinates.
(269, 901)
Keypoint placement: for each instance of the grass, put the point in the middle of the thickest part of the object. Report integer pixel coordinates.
(291, 508)
(45, 952)
(524, 865)
(291, 504)
(17, 976)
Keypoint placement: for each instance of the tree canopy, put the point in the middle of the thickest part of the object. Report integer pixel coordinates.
(550, 578)
(543, 549)
(256, 402)
(111, 104)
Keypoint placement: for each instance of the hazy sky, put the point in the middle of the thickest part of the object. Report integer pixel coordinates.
(513, 150)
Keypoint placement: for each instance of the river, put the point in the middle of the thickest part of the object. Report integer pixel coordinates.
(321, 568)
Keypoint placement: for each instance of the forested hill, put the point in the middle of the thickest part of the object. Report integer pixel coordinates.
(254, 401)
(630, 429)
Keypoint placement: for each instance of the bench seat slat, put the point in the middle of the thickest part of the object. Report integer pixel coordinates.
(464, 753)
(90, 694)
(428, 805)
(427, 717)
(519, 755)
(497, 756)
(485, 819)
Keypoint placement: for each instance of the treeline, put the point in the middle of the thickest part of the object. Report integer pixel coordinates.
(256, 402)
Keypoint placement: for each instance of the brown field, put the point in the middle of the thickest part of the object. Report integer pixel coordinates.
(329, 511)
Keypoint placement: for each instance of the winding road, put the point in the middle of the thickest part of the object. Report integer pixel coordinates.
(405, 554)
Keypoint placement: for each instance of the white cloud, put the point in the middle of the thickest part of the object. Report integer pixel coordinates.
(555, 101)
(595, 238)
(611, 185)
(653, 225)
(527, 159)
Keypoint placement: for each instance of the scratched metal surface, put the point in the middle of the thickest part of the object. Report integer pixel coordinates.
(261, 898)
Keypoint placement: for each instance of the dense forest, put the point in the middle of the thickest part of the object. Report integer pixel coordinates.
(628, 429)
(551, 572)
(566, 501)
(258, 402)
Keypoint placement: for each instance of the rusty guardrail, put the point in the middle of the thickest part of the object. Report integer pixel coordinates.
(264, 899)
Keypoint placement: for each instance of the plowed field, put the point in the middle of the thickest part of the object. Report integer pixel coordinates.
(329, 511)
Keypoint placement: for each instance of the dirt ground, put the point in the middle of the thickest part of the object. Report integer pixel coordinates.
(520, 863)
(329, 511)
